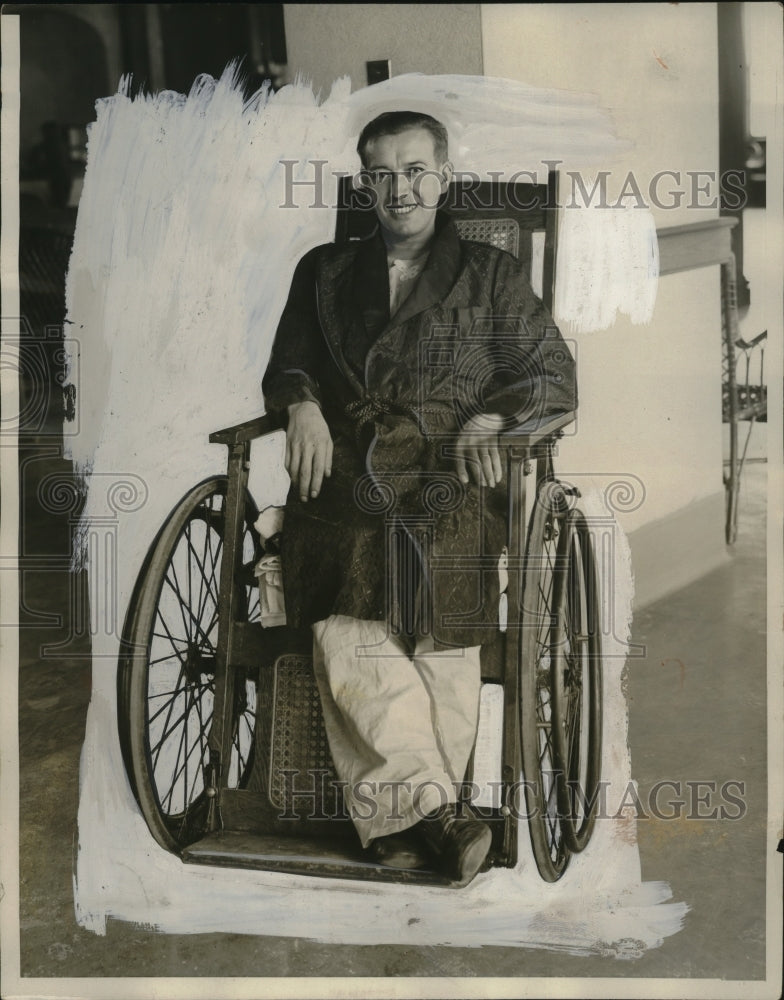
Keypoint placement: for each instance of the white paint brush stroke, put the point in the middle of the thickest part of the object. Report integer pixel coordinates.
(608, 263)
(181, 265)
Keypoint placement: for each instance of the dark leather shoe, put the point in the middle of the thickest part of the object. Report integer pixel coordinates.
(400, 850)
(462, 842)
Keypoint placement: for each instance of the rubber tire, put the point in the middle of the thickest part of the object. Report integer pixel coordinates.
(172, 830)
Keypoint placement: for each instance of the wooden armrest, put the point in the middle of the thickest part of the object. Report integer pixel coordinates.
(524, 434)
(247, 431)
(535, 431)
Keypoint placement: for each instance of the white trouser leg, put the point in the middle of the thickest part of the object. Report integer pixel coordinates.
(381, 722)
(454, 681)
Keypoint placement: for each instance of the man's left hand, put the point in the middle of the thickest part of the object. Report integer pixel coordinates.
(477, 450)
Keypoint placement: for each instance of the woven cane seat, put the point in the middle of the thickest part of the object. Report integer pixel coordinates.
(299, 756)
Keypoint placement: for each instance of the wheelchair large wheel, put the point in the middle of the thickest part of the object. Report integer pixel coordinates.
(576, 667)
(166, 677)
(560, 686)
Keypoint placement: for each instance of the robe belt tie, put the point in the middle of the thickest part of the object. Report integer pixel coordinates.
(374, 405)
(367, 408)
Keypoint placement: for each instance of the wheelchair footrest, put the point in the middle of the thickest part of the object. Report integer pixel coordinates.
(299, 856)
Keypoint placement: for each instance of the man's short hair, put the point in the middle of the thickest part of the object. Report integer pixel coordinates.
(395, 122)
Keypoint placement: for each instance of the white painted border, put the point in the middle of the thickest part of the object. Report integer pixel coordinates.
(9, 511)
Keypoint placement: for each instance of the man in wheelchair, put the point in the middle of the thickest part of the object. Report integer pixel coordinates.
(397, 361)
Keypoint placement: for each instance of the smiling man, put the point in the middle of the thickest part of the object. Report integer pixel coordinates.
(394, 469)
(407, 172)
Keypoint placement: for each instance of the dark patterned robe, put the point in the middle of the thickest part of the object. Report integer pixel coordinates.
(394, 534)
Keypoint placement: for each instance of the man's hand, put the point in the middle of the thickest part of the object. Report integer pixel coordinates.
(477, 448)
(308, 448)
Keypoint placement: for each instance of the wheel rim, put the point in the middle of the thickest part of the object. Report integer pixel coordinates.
(172, 669)
(542, 633)
(576, 685)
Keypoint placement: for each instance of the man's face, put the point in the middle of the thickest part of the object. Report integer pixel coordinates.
(407, 181)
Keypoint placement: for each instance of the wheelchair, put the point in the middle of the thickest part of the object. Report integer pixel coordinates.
(218, 712)
(744, 394)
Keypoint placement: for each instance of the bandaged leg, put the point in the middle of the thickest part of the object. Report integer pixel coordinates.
(395, 748)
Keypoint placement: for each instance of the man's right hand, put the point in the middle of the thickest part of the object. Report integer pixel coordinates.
(308, 448)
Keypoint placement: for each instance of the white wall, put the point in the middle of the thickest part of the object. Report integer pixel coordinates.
(650, 395)
(328, 40)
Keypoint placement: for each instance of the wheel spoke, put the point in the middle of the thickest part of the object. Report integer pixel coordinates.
(254, 606)
(179, 653)
(163, 694)
(178, 595)
(169, 656)
(200, 742)
(166, 802)
(212, 583)
(169, 728)
(213, 622)
(171, 704)
(191, 556)
(204, 726)
(167, 634)
(203, 562)
(203, 608)
(171, 638)
(187, 537)
(202, 688)
(184, 609)
(574, 770)
(208, 585)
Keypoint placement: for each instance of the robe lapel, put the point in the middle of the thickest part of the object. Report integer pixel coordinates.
(370, 292)
(353, 294)
(439, 275)
(335, 289)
